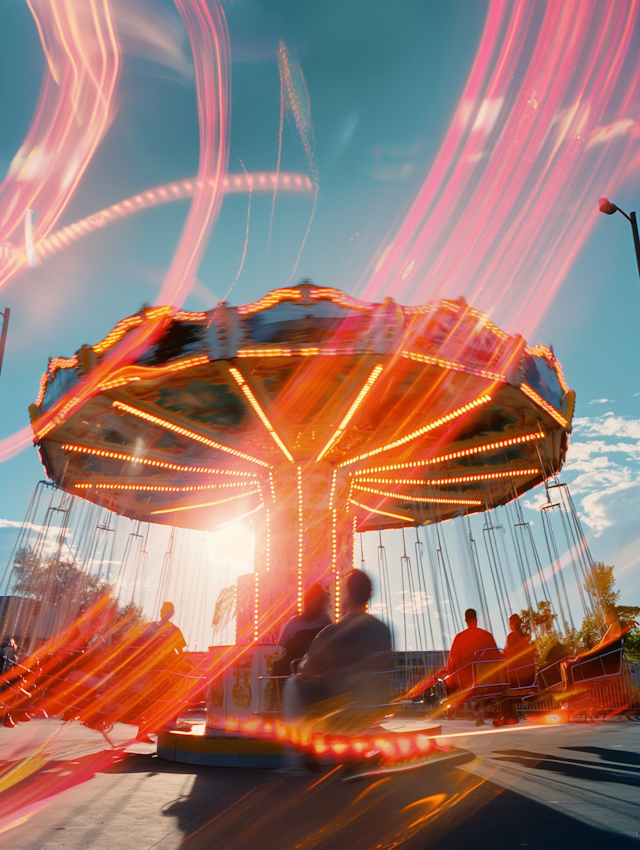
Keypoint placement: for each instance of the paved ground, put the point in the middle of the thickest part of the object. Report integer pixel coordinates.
(573, 786)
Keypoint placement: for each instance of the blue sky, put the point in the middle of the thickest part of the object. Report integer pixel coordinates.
(384, 80)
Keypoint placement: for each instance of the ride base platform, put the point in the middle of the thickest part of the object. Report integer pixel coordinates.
(202, 745)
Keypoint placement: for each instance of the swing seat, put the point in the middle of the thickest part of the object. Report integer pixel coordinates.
(602, 667)
(523, 682)
(482, 681)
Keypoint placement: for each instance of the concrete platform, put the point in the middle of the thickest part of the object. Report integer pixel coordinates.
(565, 787)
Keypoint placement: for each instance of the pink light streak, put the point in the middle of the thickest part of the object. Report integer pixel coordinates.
(547, 123)
(74, 111)
(207, 30)
(209, 39)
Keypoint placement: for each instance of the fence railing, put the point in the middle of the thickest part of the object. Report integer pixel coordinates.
(625, 694)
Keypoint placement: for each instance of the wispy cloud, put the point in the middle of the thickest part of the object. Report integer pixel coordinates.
(603, 469)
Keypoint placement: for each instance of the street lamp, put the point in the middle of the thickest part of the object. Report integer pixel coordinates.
(3, 333)
(608, 208)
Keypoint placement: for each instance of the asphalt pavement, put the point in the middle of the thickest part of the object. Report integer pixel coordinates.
(566, 786)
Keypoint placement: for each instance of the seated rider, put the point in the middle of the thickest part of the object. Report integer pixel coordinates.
(298, 634)
(520, 655)
(614, 632)
(296, 638)
(463, 653)
(165, 633)
(348, 666)
(158, 657)
(521, 663)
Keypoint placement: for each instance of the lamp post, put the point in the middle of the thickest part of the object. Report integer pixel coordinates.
(3, 333)
(608, 208)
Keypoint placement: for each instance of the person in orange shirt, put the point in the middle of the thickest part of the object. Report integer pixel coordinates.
(463, 651)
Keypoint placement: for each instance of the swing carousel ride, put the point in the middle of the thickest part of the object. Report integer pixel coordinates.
(312, 413)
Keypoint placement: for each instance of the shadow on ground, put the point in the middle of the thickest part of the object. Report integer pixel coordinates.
(438, 807)
(623, 772)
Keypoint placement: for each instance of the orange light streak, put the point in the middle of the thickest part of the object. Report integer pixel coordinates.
(256, 606)
(341, 298)
(272, 485)
(117, 333)
(176, 191)
(185, 432)
(139, 373)
(473, 450)
(373, 377)
(268, 523)
(294, 352)
(246, 389)
(483, 399)
(270, 300)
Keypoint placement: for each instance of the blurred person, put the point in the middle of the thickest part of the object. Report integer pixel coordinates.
(164, 633)
(345, 677)
(299, 633)
(297, 636)
(159, 655)
(10, 656)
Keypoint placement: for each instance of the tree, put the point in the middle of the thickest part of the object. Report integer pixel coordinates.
(61, 582)
(49, 578)
(600, 585)
(540, 625)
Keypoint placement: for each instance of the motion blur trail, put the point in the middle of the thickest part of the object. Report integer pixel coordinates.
(547, 123)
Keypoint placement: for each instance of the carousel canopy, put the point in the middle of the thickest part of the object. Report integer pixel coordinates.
(416, 414)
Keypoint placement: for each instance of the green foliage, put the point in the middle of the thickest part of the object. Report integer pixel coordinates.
(589, 633)
(600, 586)
(540, 621)
(540, 625)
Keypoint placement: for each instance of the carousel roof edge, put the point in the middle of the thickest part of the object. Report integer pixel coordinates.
(216, 334)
